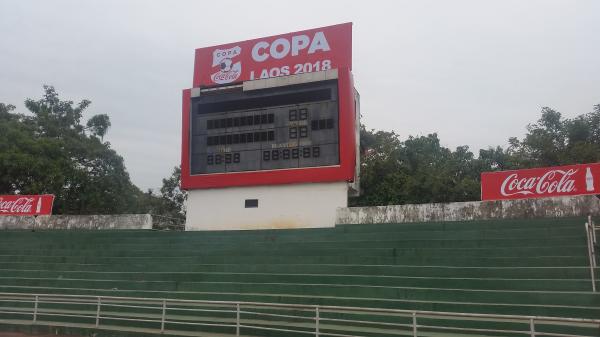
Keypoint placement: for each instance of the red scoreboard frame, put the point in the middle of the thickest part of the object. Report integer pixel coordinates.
(333, 43)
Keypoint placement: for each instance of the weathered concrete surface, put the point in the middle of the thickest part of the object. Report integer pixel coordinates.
(473, 210)
(279, 207)
(121, 221)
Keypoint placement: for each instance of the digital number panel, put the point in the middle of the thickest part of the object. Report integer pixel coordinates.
(228, 138)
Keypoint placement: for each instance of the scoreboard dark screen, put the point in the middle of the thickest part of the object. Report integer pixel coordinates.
(277, 128)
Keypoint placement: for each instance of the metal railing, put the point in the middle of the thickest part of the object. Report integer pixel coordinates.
(590, 233)
(185, 317)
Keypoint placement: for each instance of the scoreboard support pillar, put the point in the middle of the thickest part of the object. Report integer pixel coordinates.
(266, 207)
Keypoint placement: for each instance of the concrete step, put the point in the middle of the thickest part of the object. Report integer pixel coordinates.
(383, 243)
(310, 251)
(177, 280)
(155, 270)
(327, 234)
(505, 224)
(419, 293)
(554, 260)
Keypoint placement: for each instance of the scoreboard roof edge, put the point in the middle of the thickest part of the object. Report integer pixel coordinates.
(343, 24)
(273, 82)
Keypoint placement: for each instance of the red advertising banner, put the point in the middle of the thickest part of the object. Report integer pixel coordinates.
(26, 204)
(280, 55)
(541, 182)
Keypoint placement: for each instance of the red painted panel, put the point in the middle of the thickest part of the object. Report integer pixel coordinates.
(26, 204)
(280, 55)
(185, 137)
(541, 182)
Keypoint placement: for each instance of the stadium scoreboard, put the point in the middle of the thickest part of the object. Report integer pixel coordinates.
(273, 110)
(269, 129)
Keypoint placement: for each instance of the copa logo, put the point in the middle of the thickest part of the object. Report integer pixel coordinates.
(283, 47)
(229, 69)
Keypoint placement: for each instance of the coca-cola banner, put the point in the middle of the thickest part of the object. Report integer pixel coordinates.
(26, 204)
(281, 55)
(541, 182)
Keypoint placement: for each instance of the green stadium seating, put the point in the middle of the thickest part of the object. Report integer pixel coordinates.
(518, 267)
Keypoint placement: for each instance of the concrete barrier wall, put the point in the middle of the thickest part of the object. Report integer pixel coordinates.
(473, 210)
(121, 221)
(456, 211)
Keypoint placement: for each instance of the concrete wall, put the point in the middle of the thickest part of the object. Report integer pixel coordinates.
(311, 205)
(279, 206)
(474, 210)
(122, 221)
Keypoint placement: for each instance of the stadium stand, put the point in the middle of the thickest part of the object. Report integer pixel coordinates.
(533, 267)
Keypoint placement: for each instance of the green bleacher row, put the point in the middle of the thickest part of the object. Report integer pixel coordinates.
(181, 271)
(525, 267)
(382, 242)
(186, 281)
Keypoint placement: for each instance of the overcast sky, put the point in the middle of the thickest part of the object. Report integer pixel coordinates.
(476, 72)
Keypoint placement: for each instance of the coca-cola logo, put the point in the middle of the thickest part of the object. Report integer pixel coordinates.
(553, 181)
(228, 69)
(20, 205)
(225, 77)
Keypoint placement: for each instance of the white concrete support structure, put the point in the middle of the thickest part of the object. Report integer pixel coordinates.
(279, 206)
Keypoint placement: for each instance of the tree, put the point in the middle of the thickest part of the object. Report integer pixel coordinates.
(172, 194)
(419, 169)
(168, 207)
(553, 140)
(379, 168)
(50, 152)
(99, 125)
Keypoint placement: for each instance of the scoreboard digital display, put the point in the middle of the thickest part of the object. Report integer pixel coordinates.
(287, 127)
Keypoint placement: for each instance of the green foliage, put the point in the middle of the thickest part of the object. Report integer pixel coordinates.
(168, 206)
(172, 194)
(420, 170)
(50, 152)
(99, 125)
(553, 140)
(171, 201)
